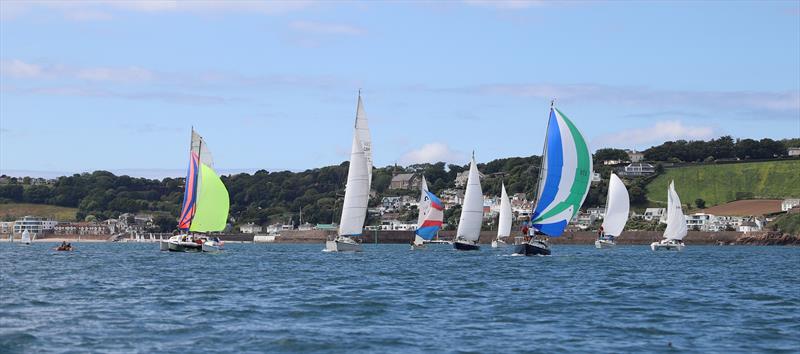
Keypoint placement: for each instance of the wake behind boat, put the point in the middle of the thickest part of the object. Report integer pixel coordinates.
(676, 224)
(469, 224)
(205, 204)
(616, 214)
(356, 193)
(564, 178)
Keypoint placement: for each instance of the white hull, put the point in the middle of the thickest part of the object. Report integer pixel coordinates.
(164, 245)
(438, 242)
(416, 247)
(343, 244)
(499, 243)
(604, 244)
(667, 246)
(212, 247)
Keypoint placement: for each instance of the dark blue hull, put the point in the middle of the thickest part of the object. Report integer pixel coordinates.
(465, 246)
(531, 250)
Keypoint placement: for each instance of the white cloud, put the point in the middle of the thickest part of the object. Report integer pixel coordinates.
(432, 153)
(130, 74)
(20, 69)
(660, 132)
(326, 28)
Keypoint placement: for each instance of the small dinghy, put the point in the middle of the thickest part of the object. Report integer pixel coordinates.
(676, 224)
(64, 247)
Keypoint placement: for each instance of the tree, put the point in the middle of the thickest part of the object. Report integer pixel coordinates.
(609, 154)
(165, 223)
(700, 203)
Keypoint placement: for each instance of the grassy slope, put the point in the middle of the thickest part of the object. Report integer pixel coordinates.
(14, 211)
(717, 184)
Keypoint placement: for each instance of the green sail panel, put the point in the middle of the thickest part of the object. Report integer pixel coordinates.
(212, 202)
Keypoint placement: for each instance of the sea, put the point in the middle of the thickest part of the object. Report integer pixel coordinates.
(133, 298)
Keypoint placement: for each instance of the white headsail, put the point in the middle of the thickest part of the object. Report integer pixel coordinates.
(469, 225)
(356, 193)
(200, 147)
(617, 207)
(676, 221)
(504, 224)
(362, 129)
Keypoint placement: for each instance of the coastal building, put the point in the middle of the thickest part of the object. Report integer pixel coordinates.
(34, 224)
(391, 203)
(596, 178)
(250, 228)
(659, 214)
(597, 212)
(397, 225)
(699, 221)
(637, 169)
(405, 181)
(82, 228)
(305, 227)
(789, 203)
(635, 156)
(793, 151)
(6, 227)
(461, 178)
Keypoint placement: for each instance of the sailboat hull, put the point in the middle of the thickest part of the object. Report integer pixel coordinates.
(499, 243)
(343, 245)
(533, 248)
(604, 243)
(184, 247)
(465, 246)
(163, 245)
(667, 246)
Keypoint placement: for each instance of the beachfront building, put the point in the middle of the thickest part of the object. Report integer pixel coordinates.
(327, 227)
(793, 151)
(250, 228)
(789, 203)
(82, 228)
(397, 225)
(305, 227)
(6, 227)
(34, 224)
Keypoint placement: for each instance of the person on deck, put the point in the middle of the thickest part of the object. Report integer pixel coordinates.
(600, 232)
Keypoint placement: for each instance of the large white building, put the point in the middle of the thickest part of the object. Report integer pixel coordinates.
(34, 224)
(789, 203)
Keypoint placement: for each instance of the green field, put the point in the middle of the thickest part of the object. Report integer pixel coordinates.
(14, 211)
(717, 184)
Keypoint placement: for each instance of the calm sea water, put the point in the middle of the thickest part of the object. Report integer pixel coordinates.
(294, 298)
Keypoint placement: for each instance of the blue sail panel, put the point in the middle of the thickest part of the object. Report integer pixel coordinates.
(553, 229)
(554, 165)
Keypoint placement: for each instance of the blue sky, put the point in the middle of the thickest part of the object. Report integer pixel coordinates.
(116, 85)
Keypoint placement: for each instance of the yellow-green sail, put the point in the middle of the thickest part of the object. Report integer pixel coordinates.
(212, 202)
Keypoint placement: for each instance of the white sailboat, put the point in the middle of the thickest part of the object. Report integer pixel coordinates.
(616, 215)
(205, 204)
(469, 224)
(504, 223)
(676, 224)
(431, 215)
(356, 193)
(26, 237)
(564, 178)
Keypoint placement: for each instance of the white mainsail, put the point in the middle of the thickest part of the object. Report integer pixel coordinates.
(424, 202)
(356, 193)
(504, 224)
(617, 207)
(26, 237)
(676, 221)
(362, 129)
(200, 147)
(469, 224)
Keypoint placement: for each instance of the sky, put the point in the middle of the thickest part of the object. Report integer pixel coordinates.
(118, 85)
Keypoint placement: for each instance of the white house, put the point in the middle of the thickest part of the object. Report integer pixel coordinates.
(635, 156)
(793, 151)
(638, 169)
(250, 228)
(789, 203)
(659, 214)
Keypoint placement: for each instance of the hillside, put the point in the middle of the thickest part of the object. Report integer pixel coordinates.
(13, 211)
(717, 184)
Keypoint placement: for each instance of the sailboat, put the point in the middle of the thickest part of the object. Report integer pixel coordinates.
(469, 224)
(564, 178)
(617, 207)
(205, 204)
(356, 193)
(431, 215)
(504, 223)
(26, 237)
(676, 224)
